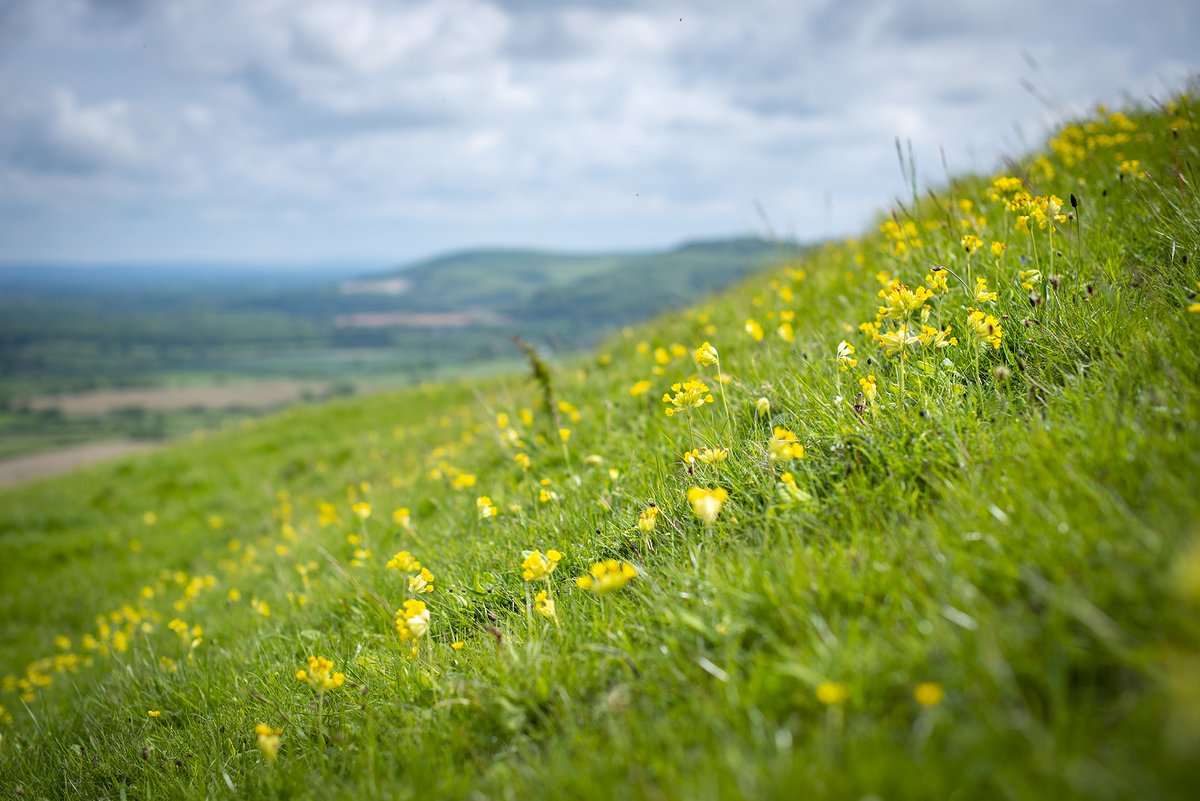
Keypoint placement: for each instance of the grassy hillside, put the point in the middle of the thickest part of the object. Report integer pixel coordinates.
(924, 525)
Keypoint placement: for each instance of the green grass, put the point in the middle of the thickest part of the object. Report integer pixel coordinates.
(1015, 524)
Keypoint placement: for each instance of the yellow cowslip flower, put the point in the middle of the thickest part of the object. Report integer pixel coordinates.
(485, 507)
(928, 693)
(320, 675)
(754, 330)
(1029, 278)
(326, 514)
(783, 446)
(234, 595)
(458, 645)
(706, 355)
(981, 291)
(1005, 187)
(789, 492)
(1194, 308)
(900, 302)
(463, 481)
(706, 455)
(970, 243)
(502, 421)
(998, 249)
(607, 576)
(786, 332)
(647, 519)
(1131, 168)
(404, 562)
(707, 503)
(845, 356)
(564, 434)
(688, 395)
(897, 340)
(762, 407)
(402, 517)
(412, 621)
(832, 693)
(986, 327)
(661, 356)
(570, 410)
(933, 338)
(640, 388)
(421, 583)
(260, 607)
(362, 510)
(543, 604)
(869, 390)
(937, 280)
(154, 713)
(536, 566)
(523, 461)
(268, 740)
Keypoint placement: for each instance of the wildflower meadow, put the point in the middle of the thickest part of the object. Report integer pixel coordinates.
(912, 515)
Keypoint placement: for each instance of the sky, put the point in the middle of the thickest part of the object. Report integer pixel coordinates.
(381, 131)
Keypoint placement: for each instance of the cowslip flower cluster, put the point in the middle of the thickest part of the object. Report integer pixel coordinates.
(688, 395)
(647, 519)
(986, 327)
(421, 583)
(706, 455)
(543, 604)
(268, 740)
(536, 566)
(981, 291)
(607, 576)
(706, 503)
(320, 675)
(928, 694)
(784, 446)
(900, 302)
(845, 356)
(485, 507)
(706, 355)
(412, 620)
(870, 390)
(832, 693)
(897, 341)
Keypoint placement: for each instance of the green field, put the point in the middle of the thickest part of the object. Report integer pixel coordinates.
(957, 555)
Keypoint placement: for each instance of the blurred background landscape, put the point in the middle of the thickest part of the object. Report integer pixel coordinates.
(143, 354)
(228, 207)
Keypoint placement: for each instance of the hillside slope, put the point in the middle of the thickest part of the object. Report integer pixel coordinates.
(924, 524)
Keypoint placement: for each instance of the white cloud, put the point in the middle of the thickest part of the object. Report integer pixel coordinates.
(396, 128)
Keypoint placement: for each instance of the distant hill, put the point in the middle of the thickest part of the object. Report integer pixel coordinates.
(66, 329)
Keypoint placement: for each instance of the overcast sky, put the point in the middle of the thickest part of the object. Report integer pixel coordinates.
(380, 131)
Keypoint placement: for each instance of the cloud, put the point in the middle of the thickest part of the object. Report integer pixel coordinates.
(382, 129)
(64, 136)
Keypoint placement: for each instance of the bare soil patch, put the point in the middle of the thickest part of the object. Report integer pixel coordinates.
(43, 465)
(253, 395)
